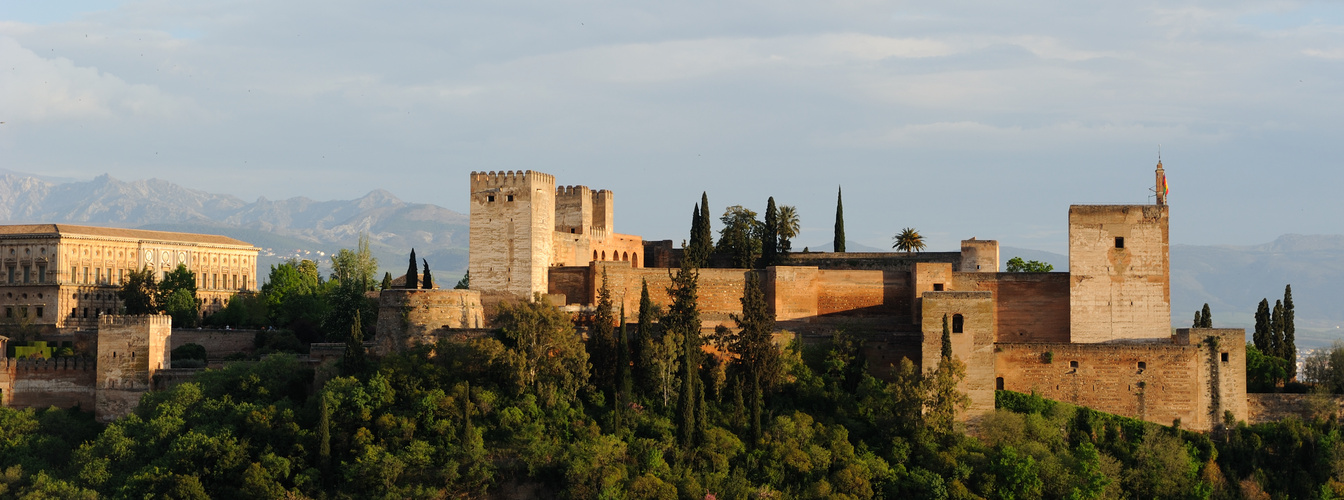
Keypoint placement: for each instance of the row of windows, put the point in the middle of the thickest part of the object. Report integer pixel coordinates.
(25, 274)
(96, 276)
(23, 311)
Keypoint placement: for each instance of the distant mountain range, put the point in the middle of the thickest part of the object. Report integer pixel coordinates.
(1231, 279)
(295, 227)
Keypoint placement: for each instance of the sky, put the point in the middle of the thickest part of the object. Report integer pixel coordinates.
(960, 119)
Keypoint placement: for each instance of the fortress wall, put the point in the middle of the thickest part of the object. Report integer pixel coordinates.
(1171, 385)
(1029, 307)
(217, 343)
(791, 292)
(512, 226)
(860, 293)
(571, 281)
(407, 318)
(573, 209)
(979, 256)
(885, 261)
(60, 382)
(570, 249)
(719, 290)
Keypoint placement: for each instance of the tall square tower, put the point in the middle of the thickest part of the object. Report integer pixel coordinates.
(1120, 273)
(511, 231)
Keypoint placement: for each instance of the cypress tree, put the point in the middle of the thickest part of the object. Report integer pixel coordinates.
(706, 231)
(602, 342)
(624, 379)
(839, 245)
(947, 340)
(754, 350)
(683, 320)
(387, 281)
(644, 365)
(324, 434)
(428, 281)
(1289, 332)
(1276, 330)
(770, 238)
(353, 362)
(692, 249)
(1207, 320)
(412, 273)
(1199, 320)
(1261, 335)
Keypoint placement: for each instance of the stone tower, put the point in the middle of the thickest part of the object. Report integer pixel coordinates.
(512, 231)
(979, 256)
(131, 349)
(1119, 273)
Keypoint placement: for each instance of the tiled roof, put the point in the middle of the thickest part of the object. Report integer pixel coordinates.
(112, 232)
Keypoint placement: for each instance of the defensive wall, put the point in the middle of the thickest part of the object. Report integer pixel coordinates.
(1119, 263)
(410, 317)
(1195, 375)
(131, 349)
(970, 323)
(40, 383)
(1028, 307)
(217, 343)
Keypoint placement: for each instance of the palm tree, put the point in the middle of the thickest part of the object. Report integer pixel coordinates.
(908, 240)
(788, 226)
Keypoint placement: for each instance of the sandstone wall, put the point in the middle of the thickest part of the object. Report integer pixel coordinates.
(60, 382)
(973, 345)
(1119, 293)
(217, 343)
(1029, 307)
(407, 318)
(130, 350)
(979, 256)
(885, 261)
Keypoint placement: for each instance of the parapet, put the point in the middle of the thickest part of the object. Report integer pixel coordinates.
(510, 178)
(46, 364)
(568, 191)
(114, 320)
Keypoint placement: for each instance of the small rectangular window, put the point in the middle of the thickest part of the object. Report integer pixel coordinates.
(937, 287)
(74, 312)
(1073, 364)
(9, 312)
(1224, 357)
(39, 311)
(490, 198)
(510, 197)
(27, 274)
(11, 276)
(74, 274)
(1119, 242)
(41, 274)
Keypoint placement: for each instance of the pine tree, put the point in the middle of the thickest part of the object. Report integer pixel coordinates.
(427, 282)
(602, 341)
(1289, 332)
(947, 340)
(839, 246)
(387, 281)
(643, 345)
(770, 236)
(465, 282)
(412, 274)
(1261, 337)
(755, 352)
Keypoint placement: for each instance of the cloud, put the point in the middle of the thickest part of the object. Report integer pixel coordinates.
(38, 89)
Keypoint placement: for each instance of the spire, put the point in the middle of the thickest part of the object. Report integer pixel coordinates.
(1161, 187)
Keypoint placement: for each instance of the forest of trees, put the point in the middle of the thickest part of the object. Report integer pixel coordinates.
(639, 410)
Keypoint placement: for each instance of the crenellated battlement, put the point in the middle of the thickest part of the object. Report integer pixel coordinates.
(509, 179)
(572, 191)
(46, 364)
(114, 320)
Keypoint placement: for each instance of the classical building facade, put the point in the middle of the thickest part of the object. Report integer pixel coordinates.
(60, 277)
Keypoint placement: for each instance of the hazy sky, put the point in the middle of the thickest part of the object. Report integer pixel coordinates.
(960, 119)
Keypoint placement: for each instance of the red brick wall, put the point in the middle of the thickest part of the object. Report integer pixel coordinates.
(1029, 307)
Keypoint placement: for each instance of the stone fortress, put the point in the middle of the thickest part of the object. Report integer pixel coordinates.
(60, 283)
(1099, 335)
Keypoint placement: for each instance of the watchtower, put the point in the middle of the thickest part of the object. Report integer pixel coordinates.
(979, 256)
(512, 230)
(131, 349)
(1119, 273)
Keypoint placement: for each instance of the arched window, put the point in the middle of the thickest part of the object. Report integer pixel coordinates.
(958, 323)
(625, 256)
(594, 254)
(634, 259)
(998, 383)
(604, 255)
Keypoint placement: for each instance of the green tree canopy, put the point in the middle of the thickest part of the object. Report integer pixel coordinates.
(1017, 265)
(740, 238)
(139, 294)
